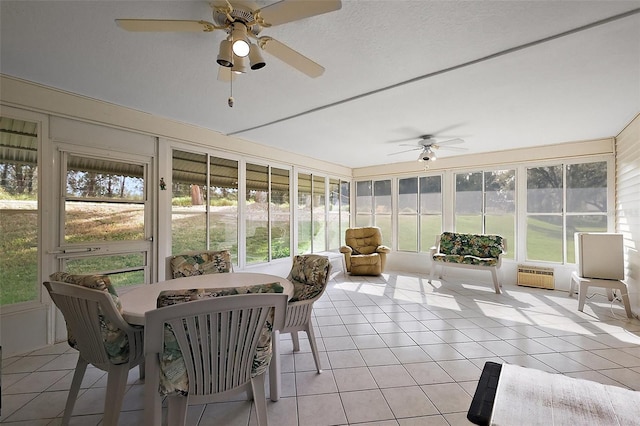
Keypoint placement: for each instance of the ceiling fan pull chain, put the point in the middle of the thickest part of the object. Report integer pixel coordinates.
(230, 100)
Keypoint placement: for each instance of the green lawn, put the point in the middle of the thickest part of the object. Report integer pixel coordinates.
(18, 243)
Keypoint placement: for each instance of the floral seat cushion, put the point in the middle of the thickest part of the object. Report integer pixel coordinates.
(116, 342)
(173, 374)
(309, 276)
(207, 262)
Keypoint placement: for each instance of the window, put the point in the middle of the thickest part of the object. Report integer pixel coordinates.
(500, 207)
(305, 231)
(345, 208)
(468, 217)
(105, 204)
(268, 217)
(373, 206)
(562, 200)
(319, 214)
(485, 204)
(430, 211)
(408, 214)
(280, 214)
(195, 223)
(320, 220)
(335, 211)
(419, 212)
(223, 206)
(586, 201)
(257, 213)
(382, 205)
(364, 203)
(18, 211)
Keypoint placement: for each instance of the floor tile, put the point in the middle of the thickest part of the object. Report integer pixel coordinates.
(619, 357)
(235, 413)
(393, 340)
(378, 356)
(388, 376)
(353, 379)
(333, 331)
(409, 401)
(284, 412)
(345, 359)
(38, 381)
(312, 383)
(461, 370)
(442, 352)
(426, 373)
(448, 397)
(369, 341)
(410, 354)
(44, 405)
(366, 406)
(321, 410)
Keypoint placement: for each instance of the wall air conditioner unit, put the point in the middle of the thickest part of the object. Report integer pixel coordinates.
(535, 276)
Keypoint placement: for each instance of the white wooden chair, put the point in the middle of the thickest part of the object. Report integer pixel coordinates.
(309, 274)
(218, 340)
(103, 338)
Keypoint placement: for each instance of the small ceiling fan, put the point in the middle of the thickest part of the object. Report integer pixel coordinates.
(428, 144)
(243, 21)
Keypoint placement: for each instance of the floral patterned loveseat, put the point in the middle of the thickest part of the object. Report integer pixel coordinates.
(474, 251)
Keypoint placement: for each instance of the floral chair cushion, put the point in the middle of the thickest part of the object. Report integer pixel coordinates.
(116, 342)
(207, 262)
(173, 374)
(479, 246)
(309, 275)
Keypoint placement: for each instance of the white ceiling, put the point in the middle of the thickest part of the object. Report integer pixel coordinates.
(394, 70)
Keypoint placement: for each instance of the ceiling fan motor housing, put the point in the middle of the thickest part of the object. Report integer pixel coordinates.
(238, 14)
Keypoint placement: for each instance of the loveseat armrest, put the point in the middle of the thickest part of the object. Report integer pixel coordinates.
(383, 249)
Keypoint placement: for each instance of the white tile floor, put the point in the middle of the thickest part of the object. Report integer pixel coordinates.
(395, 350)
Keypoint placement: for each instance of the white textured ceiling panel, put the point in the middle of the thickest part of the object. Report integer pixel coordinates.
(394, 70)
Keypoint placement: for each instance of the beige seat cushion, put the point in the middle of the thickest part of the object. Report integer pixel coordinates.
(366, 264)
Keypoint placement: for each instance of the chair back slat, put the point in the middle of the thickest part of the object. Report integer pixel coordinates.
(82, 318)
(217, 337)
(82, 309)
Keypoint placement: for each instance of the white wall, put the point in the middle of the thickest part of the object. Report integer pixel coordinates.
(628, 204)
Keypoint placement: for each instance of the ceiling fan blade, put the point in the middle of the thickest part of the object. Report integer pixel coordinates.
(407, 150)
(292, 10)
(291, 57)
(225, 74)
(451, 142)
(448, 148)
(168, 25)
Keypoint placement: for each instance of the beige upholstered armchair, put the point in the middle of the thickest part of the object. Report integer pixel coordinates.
(364, 253)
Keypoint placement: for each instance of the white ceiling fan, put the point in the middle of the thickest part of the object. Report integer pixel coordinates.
(428, 144)
(243, 21)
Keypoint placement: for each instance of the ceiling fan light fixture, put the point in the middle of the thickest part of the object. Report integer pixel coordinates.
(427, 155)
(225, 54)
(240, 42)
(238, 65)
(255, 58)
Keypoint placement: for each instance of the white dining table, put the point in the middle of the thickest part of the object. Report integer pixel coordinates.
(137, 301)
